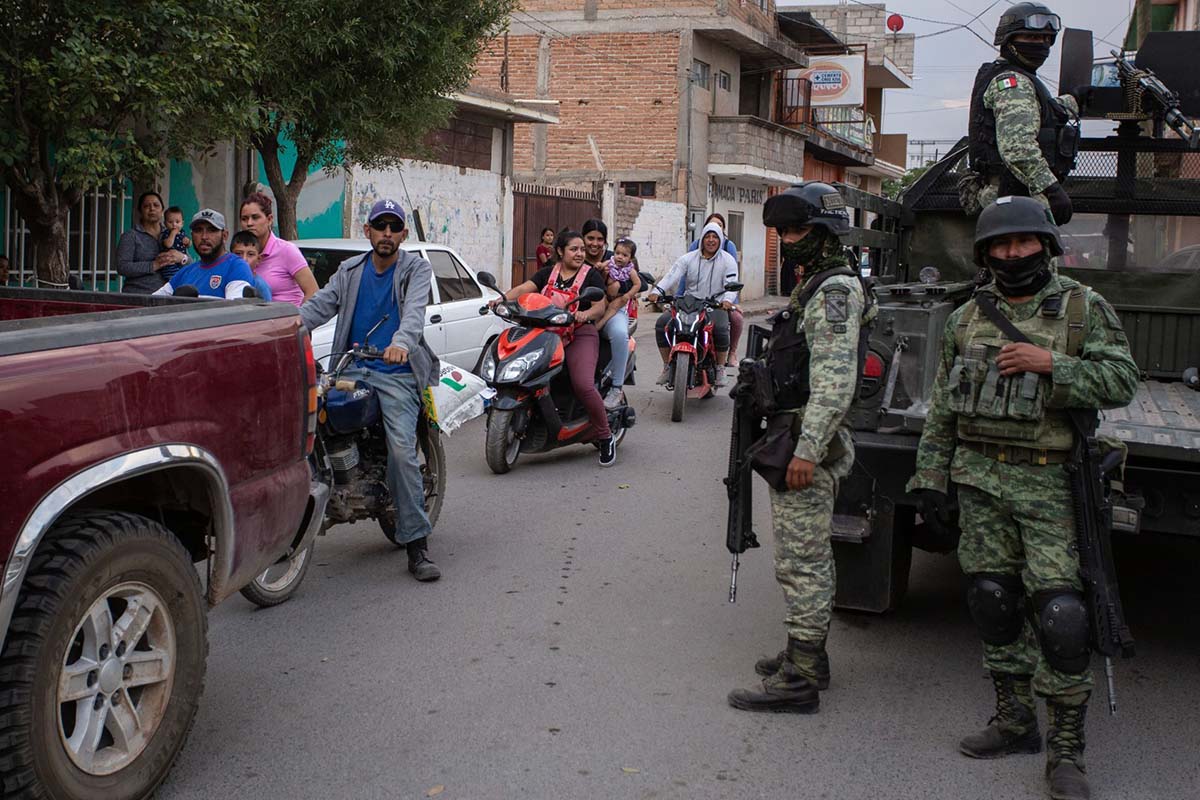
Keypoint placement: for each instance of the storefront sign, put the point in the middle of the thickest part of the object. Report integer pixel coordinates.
(836, 80)
(732, 193)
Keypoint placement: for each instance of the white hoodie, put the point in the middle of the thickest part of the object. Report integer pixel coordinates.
(705, 277)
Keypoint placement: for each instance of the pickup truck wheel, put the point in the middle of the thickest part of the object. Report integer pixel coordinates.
(432, 456)
(280, 581)
(103, 666)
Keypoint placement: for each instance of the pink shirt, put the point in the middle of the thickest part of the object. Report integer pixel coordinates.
(277, 265)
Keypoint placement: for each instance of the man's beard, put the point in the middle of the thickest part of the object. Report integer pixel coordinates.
(385, 248)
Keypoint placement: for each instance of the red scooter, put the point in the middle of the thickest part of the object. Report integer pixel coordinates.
(534, 410)
(692, 367)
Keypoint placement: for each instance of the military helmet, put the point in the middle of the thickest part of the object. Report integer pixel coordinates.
(808, 203)
(1027, 18)
(1015, 215)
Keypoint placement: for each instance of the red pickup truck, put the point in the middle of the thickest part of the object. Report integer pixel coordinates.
(154, 459)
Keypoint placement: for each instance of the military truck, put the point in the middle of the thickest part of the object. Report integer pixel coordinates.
(1135, 238)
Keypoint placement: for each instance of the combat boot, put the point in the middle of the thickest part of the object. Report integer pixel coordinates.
(788, 690)
(1014, 728)
(419, 564)
(769, 666)
(1064, 752)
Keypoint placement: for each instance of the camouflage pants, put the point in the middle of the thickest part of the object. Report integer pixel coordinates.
(804, 555)
(990, 190)
(1027, 531)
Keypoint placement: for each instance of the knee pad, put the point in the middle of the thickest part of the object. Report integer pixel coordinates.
(1063, 629)
(997, 604)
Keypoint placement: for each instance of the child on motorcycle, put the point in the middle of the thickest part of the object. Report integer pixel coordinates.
(562, 283)
(623, 286)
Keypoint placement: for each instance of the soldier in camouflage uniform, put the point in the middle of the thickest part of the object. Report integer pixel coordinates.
(998, 427)
(1022, 140)
(828, 309)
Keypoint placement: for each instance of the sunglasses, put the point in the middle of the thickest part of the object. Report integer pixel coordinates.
(384, 224)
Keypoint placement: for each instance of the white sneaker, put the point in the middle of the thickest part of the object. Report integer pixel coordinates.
(612, 400)
(719, 378)
(664, 376)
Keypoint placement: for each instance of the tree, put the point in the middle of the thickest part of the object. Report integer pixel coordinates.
(893, 188)
(352, 82)
(96, 90)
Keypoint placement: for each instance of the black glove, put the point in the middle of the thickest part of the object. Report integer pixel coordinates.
(187, 290)
(1060, 203)
(249, 291)
(1082, 95)
(931, 503)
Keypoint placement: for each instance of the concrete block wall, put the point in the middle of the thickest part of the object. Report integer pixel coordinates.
(620, 88)
(865, 24)
(741, 140)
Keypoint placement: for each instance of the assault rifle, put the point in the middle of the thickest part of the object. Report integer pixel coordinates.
(1093, 512)
(1093, 507)
(739, 534)
(1142, 84)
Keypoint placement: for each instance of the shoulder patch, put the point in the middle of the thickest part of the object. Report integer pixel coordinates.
(1007, 82)
(836, 305)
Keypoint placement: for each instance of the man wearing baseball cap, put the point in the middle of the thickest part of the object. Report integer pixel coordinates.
(379, 299)
(217, 273)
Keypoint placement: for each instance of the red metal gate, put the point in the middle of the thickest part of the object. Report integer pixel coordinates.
(536, 207)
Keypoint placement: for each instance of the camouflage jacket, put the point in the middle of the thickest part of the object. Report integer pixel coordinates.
(1104, 375)
(1013, 100)
(832, 319)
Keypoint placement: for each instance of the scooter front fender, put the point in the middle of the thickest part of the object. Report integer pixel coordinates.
(511, 399)
(684, 347)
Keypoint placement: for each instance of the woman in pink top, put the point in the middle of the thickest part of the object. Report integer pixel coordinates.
(280, 263)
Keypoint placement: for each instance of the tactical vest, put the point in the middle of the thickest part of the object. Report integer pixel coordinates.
(1012, 410)
(1057, 136)
(788, 354)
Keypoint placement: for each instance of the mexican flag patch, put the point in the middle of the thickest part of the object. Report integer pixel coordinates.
(1008, 82)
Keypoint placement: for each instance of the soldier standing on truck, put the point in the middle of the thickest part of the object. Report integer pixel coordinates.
(998, 427)
(813, 362)
(1022, 140)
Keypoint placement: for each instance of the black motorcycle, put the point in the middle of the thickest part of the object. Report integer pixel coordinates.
(350, 457)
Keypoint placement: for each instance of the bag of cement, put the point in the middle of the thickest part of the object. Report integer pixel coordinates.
(458, 397)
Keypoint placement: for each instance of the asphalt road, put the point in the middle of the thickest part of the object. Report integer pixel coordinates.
(580, 645)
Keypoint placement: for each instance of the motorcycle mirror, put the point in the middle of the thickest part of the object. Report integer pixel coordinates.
(592, 293)
(734, 287)
(488, 280)
(647, 280)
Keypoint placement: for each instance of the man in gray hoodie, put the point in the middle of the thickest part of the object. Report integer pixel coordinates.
(379, 299)
(705, 272)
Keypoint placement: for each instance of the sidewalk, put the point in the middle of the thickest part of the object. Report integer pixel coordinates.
(763, 306)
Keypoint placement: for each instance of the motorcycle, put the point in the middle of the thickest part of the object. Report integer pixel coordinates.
(535, 410)
(692, 366)
(350, 457)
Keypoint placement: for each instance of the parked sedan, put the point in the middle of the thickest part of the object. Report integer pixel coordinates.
(454, 327)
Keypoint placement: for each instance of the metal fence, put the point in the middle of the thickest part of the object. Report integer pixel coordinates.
(93, 227)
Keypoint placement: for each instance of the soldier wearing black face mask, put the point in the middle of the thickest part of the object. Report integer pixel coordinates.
(998, 426)
(1023, 140)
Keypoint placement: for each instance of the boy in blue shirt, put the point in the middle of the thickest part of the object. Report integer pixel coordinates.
(244, 245)
(217, 273)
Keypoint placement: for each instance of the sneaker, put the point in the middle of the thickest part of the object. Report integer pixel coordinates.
(608, 452)
(719, 377)
(614, 398)
(664, 376)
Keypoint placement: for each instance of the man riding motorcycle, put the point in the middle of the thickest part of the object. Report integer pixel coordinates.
(706, 271)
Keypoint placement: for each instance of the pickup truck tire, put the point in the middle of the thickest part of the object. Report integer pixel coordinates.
(433, 478)
(71, 667)
(280, 581)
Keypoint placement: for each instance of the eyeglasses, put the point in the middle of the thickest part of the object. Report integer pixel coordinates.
(382, 225)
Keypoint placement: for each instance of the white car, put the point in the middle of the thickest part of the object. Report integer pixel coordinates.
(454, 328)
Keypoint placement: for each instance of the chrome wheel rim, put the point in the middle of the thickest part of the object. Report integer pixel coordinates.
(278, 577)
(116, 677)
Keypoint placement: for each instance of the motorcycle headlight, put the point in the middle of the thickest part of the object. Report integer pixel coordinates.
(514, 369)
(487, 370)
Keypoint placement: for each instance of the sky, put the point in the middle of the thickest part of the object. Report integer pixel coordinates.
(936, 106)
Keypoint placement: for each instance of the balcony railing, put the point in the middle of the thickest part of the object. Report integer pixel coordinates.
(793, 107)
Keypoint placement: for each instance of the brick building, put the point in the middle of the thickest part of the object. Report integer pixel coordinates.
(671, 109)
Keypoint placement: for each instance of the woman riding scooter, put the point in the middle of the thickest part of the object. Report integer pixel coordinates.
(562, 283)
